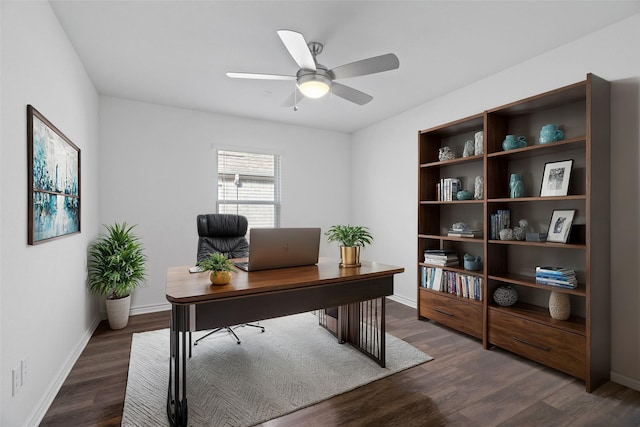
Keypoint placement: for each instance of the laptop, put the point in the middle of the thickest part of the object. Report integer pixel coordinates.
(281, 247)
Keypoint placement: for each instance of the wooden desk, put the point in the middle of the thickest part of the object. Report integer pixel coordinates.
(197, 305)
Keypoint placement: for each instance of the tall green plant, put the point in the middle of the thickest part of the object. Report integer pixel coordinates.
(116, 264)
(350, 235)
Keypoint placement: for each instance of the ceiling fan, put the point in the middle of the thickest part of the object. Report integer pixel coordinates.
(314, 80)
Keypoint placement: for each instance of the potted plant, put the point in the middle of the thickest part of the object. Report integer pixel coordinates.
(351, 238)
(116, 266)
(219, 266)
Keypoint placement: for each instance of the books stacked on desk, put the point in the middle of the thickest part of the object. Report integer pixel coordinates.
(556, 276)
(464, 233)
(443, 257)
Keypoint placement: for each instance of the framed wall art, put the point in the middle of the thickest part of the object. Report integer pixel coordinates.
(560, 225)
(555, 179)
(54, 181)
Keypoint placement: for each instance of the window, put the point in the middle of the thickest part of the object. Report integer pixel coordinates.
(249, 185)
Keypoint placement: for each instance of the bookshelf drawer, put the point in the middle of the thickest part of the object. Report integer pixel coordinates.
(454, 312)
(562, 350)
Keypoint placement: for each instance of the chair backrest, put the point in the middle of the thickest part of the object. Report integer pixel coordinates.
(223, 233)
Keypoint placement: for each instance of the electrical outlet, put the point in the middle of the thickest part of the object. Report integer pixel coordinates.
(24, 371)
(16, 380)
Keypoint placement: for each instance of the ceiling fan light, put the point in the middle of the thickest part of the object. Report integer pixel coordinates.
(314, 86)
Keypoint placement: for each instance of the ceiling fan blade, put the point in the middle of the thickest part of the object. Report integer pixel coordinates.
(260, 76)
(376, 64)
(293, 99)
(350, 94)
(298, 49)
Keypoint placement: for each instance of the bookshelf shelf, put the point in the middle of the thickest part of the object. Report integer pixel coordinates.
(580, 345)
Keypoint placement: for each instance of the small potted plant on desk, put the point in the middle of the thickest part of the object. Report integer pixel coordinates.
(220, 268)
(351, 238)
(116, 266)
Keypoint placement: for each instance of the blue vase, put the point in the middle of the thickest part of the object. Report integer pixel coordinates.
(550, 133)
(516, 185)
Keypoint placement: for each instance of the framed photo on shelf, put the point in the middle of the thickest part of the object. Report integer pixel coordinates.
(54, 181)
(555, 179)
(560, 225)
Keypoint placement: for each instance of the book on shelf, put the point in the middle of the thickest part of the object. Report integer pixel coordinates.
(448, 189)
(554, 271)
(452, 282)
(464, 233)
(558, 283)
(499, 221)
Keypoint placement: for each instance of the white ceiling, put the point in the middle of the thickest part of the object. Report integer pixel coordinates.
(177, 52)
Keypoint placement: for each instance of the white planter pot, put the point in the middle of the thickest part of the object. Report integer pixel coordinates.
(118, 312)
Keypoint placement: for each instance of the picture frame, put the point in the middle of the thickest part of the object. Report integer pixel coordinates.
(555, 179)
(54, 181)
(560, 225)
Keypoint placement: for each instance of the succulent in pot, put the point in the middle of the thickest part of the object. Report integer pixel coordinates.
(219, 266)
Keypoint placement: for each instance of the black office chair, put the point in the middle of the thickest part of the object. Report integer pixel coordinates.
(223, 233)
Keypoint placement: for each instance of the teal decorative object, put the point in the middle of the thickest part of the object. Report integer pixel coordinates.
(550, 133)
(511, 142)
(516, 186)
(464, 195)
(472, 263)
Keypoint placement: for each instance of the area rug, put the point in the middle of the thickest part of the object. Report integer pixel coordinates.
(294, 364)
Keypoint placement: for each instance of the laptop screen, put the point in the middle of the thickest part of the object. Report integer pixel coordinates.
(282, 247)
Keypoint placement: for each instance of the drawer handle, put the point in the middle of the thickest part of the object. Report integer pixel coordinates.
(442, 311)
(531, 344)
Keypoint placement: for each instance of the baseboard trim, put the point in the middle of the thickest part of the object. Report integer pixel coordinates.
(153, 308)
(625, 381)
(403, 300)
(48, 398)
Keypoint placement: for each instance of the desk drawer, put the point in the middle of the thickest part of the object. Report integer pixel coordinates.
(562, 350)
(454, 312)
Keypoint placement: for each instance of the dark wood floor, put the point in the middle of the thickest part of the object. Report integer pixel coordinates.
(464, 386)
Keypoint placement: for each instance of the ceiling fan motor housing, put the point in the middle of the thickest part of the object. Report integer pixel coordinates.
(314, 84)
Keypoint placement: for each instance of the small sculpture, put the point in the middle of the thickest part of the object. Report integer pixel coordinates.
(464, 195)
(469, 148)
(472, 263)
(479, 188)
(479, 143)
(505, 296)
(461, 226)
(520, 233)
(445, 153)
(516, 185)
(506, 234)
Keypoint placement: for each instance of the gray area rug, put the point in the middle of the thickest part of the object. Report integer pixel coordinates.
(294, 364)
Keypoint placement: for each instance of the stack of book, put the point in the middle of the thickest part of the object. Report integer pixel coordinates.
(447, 189)
(499, 221)
(464, 233)
(442, 257)
(556, 276)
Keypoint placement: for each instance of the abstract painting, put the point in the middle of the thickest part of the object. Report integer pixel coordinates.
(54, 181)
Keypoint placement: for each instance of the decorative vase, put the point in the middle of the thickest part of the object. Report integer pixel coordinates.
(118, 312)
(506, 234)
(505, 296)
(469, 148)
(220, 277)
(559, 305)
(516, 186)
(349, 256)
(479, 143)
(478, 193)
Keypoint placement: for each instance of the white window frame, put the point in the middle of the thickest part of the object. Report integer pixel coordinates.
(230, 174)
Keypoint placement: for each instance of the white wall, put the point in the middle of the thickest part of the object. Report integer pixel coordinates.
(391, 147)
(45, 310)
(158, 170)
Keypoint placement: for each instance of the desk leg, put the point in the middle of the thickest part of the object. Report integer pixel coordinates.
(366, 328)
(177, 390)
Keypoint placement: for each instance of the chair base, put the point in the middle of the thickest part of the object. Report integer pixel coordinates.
(230, 330)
